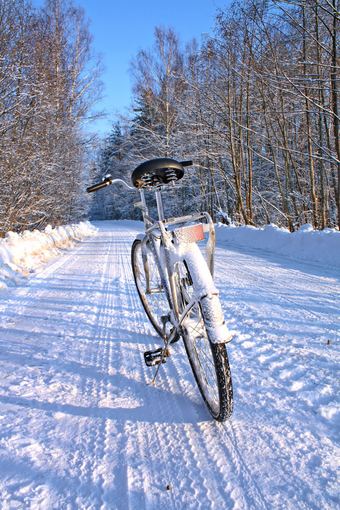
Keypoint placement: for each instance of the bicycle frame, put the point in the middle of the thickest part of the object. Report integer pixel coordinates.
(168, 251)
(151, 224)
(160, 240)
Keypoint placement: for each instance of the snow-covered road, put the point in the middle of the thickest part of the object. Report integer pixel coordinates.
(80, 428)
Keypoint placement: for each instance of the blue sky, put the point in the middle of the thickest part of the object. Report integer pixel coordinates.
(121, 28)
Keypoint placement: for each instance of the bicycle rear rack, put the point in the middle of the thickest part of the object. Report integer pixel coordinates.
(189, 235)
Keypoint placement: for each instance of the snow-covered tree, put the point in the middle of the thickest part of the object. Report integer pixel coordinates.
(48, 84)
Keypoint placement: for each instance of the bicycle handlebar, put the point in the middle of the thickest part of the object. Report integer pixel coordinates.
(106, 182)
(99, 185)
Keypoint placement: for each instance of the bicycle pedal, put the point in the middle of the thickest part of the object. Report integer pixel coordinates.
(156, 357)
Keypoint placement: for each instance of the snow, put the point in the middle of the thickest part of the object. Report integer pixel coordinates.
(21, 254)
(205, 288)
(82, 428)
(306, 244)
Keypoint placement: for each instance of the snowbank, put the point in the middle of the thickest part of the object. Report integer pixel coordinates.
(21, 254)
(306, 244)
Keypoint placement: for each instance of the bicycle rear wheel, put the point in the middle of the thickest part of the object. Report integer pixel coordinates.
(153, 296)
(209, 361)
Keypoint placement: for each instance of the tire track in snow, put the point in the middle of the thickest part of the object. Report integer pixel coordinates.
(212, 474)
(135, 493)
(128, 469)
(92, 434)
(104, 361)
(142, 475)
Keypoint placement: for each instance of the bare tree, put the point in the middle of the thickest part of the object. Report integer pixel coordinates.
(48, 83)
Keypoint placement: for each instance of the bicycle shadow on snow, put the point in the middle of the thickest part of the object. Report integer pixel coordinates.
(128, 398)
(52, 345)
(159, 408)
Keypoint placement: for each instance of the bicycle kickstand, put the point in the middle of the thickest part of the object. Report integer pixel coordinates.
(163, 352)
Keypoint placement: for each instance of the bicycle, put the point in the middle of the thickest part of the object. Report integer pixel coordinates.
(174, 281)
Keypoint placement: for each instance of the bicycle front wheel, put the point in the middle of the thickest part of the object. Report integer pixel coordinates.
(149, 285)
(209, 361)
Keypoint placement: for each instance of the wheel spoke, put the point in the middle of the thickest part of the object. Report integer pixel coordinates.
(197, 342)
(155, 303)
(208, 367)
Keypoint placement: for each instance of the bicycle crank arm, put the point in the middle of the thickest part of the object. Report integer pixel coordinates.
(176, 331)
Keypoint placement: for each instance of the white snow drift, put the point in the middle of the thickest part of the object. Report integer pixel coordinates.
(20, 254)
(306, 244)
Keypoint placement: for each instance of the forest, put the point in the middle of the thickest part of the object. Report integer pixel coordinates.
(49, 81)
(255, 105)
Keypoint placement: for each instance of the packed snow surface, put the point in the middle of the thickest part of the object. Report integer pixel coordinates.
(82, 428)
(20, 254)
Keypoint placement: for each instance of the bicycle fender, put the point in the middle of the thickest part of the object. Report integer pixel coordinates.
(214, 320)
(207, 295)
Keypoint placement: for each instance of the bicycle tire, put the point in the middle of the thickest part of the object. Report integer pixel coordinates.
(220, 404)
(155, 304)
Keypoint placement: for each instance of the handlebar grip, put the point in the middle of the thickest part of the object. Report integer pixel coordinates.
(186, 163)
(99, 185)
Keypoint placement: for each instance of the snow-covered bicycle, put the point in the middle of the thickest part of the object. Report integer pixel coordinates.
(174, 280)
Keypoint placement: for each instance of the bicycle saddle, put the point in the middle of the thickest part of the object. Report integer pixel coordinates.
(157, 172)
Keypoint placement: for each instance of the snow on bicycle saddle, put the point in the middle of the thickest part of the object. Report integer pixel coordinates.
(157, 172)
